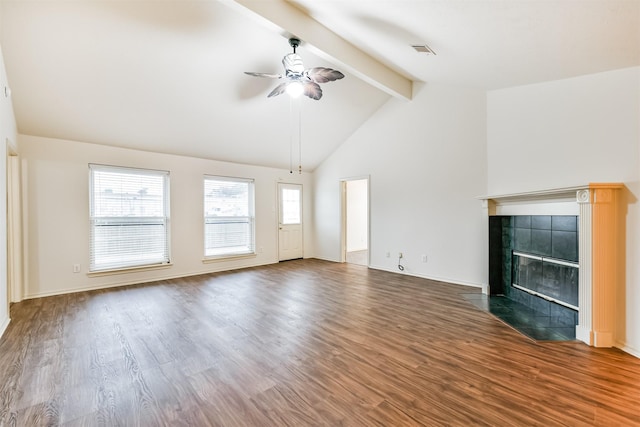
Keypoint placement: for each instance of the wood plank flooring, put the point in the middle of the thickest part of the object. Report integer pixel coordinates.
(301, 343)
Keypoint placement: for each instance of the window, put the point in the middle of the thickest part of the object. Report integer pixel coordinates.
(129, 211)
(228, 216)
(290, 199)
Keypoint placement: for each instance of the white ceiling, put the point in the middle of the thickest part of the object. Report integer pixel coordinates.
(167, 76)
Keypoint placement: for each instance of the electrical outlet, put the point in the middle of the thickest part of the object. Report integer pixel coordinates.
(76, 268)
(388, 254)
(424, 258)
(400, 255)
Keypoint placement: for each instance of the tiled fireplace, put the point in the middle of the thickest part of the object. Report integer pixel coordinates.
(558, 251)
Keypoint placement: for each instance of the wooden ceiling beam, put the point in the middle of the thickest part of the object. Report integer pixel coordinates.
(325, 43)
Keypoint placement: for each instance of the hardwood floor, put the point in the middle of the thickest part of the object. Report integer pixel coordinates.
(299, 343)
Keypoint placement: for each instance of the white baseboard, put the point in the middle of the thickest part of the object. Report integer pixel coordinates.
(484, 287)
(584, 334)
(4, 325)
(137, 282)
(326, 259)
(357, 249)
(603, 339)
(627, 349)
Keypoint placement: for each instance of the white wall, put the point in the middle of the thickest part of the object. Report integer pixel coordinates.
(427, 162)
(56, 212)
(8, 138)
(572, 132)
(357, 215)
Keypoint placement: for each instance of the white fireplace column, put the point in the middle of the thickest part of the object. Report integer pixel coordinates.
(601, 249)
(584, 330)
(600, 211)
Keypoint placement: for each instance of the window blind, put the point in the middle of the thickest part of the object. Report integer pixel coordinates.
(229, 220)
(129, 210)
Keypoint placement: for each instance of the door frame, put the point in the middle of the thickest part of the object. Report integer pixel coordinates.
(14, 228)
(343, 216)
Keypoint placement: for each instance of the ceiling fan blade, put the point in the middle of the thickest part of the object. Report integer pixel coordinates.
(324, 75)
(312, 90)
(279, 90)
(265, 75)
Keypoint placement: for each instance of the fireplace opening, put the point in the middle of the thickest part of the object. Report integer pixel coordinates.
(533, 274)
(548, 278)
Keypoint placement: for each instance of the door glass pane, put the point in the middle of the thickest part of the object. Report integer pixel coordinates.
(290, 206)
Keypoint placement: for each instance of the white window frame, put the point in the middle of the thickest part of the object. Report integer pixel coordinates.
(247, 250)
(163, 259)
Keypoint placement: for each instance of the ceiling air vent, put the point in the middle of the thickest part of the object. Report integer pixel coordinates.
(423, 48)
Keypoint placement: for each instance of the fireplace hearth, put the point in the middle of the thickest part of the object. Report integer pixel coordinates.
(538, 325)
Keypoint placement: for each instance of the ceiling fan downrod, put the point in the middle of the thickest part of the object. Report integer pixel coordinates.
(294, 43)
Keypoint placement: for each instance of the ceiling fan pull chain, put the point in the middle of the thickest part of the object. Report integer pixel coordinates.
(299, 137)
(291, 135)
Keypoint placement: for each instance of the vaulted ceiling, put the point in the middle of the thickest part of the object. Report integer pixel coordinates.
(167, 76)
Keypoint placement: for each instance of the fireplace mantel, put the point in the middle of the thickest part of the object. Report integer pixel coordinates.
(554, 201)
(551, 193)
(601, 246)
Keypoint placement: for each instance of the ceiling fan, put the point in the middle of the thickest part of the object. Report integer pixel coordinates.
(298, 80)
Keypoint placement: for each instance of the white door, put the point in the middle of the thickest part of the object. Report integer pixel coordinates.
(290, 221)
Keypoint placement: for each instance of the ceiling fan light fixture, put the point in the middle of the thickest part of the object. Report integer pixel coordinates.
(295, 89)
(298, 80)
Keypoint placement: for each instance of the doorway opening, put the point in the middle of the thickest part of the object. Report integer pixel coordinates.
(355, 221)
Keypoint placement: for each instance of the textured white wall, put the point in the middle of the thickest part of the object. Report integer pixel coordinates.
(563, 133)
(56, 215)
(572, 132)
(427, 164)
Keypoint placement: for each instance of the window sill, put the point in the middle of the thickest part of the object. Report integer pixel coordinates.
(221, 258)
(100, 273)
